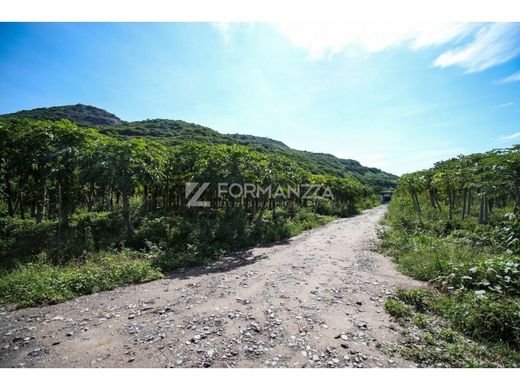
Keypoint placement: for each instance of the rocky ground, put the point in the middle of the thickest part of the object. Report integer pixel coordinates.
(315, 300)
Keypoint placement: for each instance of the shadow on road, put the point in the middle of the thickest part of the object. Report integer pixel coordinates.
(226, 263)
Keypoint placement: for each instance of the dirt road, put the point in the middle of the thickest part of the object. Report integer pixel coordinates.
(313, 301)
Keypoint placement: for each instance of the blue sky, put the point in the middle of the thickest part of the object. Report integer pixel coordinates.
(398, 96)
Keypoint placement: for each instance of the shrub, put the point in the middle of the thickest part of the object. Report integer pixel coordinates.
(106, 228)
(498, 274)
(35, 284)
(511, 229)
(397, 308)
(418, 298)
(22, 238)
(472, 265)
(420, 320)
(492, 317)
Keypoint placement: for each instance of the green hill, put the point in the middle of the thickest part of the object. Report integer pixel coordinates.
(253, 139)
(175, 132)
(168, 131)
(79, 113)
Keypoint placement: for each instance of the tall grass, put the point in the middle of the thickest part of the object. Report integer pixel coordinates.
(470, 265)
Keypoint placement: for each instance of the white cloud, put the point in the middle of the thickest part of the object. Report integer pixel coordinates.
(323, 40)
(508, 104)
(492, 45)
(512, 78)
(438, 34)
(471, 46)
(510, 137)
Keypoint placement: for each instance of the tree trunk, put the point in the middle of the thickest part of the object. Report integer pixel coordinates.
(63, 203)
(9, 193)
(432, 199)
(516, 189)
(126, 213)
(451, 203)
(155, 196)
(464, 201)
(110, 200)
(483, 212)
(22, 205)
(470, 201)
(33, 208)
(437, 202)
(145, 200)
(90, 202)
(40, 206)
(417, 206)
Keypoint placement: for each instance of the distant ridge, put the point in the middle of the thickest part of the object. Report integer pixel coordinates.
(175, 132)
(260, 140)
(81, 114)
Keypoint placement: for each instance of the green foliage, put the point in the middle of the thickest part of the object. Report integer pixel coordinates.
(438, 345)
(192, 243)
(511, 233)
(40, 283)
(97, 230)
(480, 294)
(499, 274)
(78, 113)
(420, 320)
(21, 240)
(431, 340)
(178, 132)
(483, 179)
(397, 309)
(69, 192)
(457, 226)
(418, 298)
(492, 317)
(420, 256)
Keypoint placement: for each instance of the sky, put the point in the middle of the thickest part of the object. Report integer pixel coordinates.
(394, 96)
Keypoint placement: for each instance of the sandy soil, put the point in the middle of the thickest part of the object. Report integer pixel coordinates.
(315, 300)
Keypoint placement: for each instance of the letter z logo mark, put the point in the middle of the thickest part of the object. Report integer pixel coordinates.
(194, 200)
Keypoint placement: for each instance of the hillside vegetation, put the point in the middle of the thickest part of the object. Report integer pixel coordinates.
(457, 226)
(176, 132)
(79, 113)
(83, 211)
